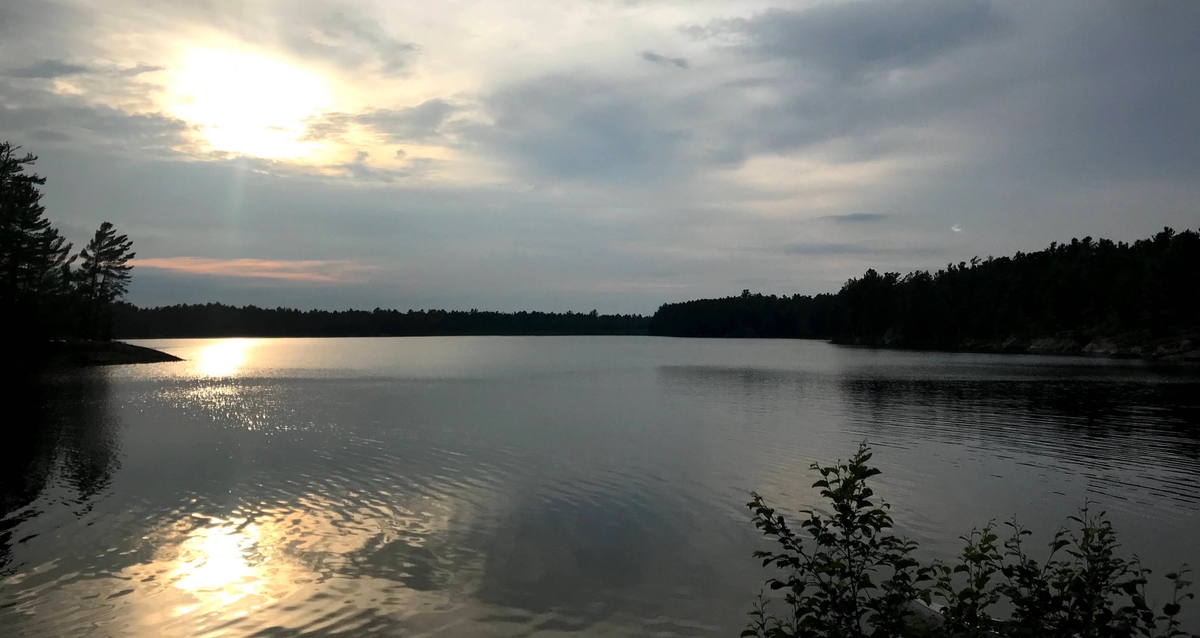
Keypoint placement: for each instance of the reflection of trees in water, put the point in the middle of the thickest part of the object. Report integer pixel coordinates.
(89, 440)
(1023, 408)
(558, 553)
(28, 450)
(1156, 412)
(61, 430)
(744, 377)
(747, 385)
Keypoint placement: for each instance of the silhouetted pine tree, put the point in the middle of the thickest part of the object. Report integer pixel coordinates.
(34, 258)
(104, 277)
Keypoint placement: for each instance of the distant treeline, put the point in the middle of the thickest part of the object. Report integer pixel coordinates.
(1084, 291)
(219, 320)
(750, 315)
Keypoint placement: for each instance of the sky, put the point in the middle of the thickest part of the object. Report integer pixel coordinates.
(594, 154)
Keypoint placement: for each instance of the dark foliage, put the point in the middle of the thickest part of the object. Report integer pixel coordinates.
(747, 315)
(41, 296)
(1082, 290)
(1086, 289)
(103, 276)
(218, 320)
(845, 575)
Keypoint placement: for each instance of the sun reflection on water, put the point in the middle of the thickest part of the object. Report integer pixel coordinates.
(263, 570)
(223, 358)
(217, 566)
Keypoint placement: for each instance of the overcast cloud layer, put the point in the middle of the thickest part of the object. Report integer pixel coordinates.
(596, 154)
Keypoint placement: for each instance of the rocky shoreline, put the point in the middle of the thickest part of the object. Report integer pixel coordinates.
(1183, 348)
(1171, 350)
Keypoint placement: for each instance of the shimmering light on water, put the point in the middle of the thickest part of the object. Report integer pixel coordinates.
(223, 358)
(518, 486)
(216, 566)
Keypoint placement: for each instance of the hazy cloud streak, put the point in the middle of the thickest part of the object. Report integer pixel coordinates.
(49, 69)
(856, 218)
(651, 56)
(316, 271)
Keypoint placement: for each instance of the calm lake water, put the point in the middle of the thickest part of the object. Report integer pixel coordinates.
(508, 486)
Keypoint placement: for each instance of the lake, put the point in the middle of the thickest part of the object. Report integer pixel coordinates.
(515, 486)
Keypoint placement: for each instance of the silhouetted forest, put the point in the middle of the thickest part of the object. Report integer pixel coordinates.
(219, 320)
(44, 294)
(749, 315)
(1102, 293)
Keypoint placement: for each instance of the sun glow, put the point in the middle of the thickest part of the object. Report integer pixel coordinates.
(248, 104)
(224, 358)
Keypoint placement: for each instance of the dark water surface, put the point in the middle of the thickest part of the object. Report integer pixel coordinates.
(501, 486)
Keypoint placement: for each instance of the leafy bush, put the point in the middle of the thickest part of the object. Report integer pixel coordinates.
(846, 575)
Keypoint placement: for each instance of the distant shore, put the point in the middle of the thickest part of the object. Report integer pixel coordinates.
(78, 354)
(1170, 349)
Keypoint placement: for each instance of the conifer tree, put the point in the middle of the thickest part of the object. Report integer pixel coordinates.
(34, 258)
(104, 276)
(22, 222)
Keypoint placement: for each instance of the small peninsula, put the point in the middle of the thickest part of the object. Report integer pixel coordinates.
(75, 354)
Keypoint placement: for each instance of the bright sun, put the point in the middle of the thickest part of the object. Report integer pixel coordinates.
(223, 358)
(248, 104)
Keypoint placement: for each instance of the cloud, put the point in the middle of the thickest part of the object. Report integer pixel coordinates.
(30, 28)
(49, 136)
(414, 124)
(826, 249)
(861, 71)
(856, 218)
(57, 121)
(52, 68)
(838, 248)
(863, 36)
(313, 271)
(417, 123)
(650, 56)
(138, 69)
(805, 85)
(1001, 96)
(49, 69)
(340, 34)
(360, 169)
(582, 128)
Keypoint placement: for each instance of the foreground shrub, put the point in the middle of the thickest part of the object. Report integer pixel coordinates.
(846, 575)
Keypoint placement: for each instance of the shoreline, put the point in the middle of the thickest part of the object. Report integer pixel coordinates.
(84, 354)
(1176, 349)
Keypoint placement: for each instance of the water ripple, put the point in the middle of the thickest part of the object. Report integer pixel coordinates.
(383, 487)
